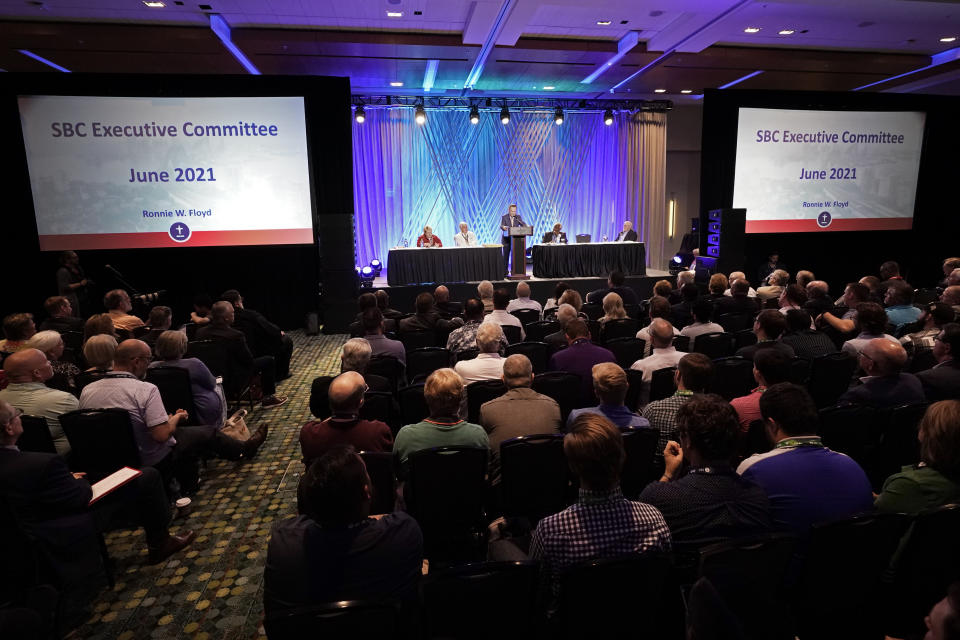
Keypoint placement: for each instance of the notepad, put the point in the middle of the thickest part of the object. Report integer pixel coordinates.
(112, 482)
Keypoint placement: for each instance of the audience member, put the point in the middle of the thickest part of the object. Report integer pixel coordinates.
(899, 302)
(485, 293)
(935, 481)
(465, 338)
(854, 295)
(51, 344)
(572, 298)
(769, 368)
(380, 345)
(17, 329)
(778, 281)
(664, 355)
(159, 320)
(355, 356)
(932, 320)
(521, 411)
(610, 386)
(332, 550)
(117, 302)
(806, 343)
(951, 296)
(447, 309)
(659, 308)
(579, 357)
(73, 284)
(806, 482)
(427, 318)
(884, 385)
(818, 298)
(710, 502)
(872, 320)
(804, 278)
(693, 375)
(565, 313)
(99, 324)
(240, 361)
(943, 622)
(557, 292)
(99, 352)
(365, 301)
(681, 314)
(769, 268)
(702, 310)
(444, 392)
(602, 524)
(616, 283)
(793, 297)
(768, 327)
(889, 273)
(717, 285)
(27, 370)
(499, 315)
(683, 278)
(523, 301)
(60, 316)
(949, 266)
(612, 308)
(872, 283)
(202, 305)
(662, 288)
(737, 301)
(344, 426)
(383, 303)
(942, 382)
(488, 365)
(263, 337)
(739, 275)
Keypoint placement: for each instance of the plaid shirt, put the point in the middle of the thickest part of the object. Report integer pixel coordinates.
(662, 415)
(920, 341)
(465, 338)
(603, 524)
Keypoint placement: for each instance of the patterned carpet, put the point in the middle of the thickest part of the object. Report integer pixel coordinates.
(214, 589)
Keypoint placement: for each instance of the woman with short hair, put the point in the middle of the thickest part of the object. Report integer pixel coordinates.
(428, 239)
(51, 344)
(170, 349)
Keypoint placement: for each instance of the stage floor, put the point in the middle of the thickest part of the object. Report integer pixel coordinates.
(381, 281)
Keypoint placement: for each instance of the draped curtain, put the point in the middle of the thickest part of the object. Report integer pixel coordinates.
(586, 175)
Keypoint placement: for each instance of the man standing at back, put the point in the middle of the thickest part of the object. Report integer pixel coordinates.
(263, 337)
(806, 482)
(579, 358)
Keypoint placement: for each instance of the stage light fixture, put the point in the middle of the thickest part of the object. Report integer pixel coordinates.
(752, 30)
(558, 116)
(608, 117)
(366, 277)
(505, 115)
(786, 32)
(360, 115)
(948, 39)
(377, 267)
(474, 115)
(419, 114)
(659, 90)
(686, 91)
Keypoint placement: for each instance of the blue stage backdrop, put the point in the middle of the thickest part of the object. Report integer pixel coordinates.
(586, 175)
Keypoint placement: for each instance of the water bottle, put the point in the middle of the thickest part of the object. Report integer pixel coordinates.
(604, 238)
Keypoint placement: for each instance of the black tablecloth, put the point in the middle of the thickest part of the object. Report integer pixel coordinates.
(453, 264)
(596, 259)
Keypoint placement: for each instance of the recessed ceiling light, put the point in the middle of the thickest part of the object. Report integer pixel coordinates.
(396, 84)
(659, 90)
(785, 32)
(549, 88)
(604, 23)
(394, 14)
(752, 30)
(686, 90)
(154, 4)
(948, 39)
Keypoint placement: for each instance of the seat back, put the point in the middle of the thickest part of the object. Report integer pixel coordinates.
(633, 310)
(593, 310)
(640, 444)
(899, 444)
(735, 322)
(534, 476)
(757, 440)
(175, 390)
(613, 329)
(378, 405)
(535, 351)
(681, 343)
(799, 371)
(190, 328)
(426, 360)
(214, 355)
(830, 377)
(418, 339)
(856, 431)
(36, 435)
(594, 327)
(745, 338)
(101, 441)
(383, 480)
(319, 401)
(662, 384)
(467, 354)
(626, 350)
(480, 392)
(346, 618)
(388, 367)
(563, 387)
(511, 333)
(537, 331)
(635, 384)
(715, 345)
(732, 377)
(526, 316)
(413, 406)
(84, 378)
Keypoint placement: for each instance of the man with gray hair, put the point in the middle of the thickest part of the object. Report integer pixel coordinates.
(610, 384)
(27, 371)
(884, 385)
(664, 356)
(521, 411)
(778, 281)
(465, 238)
(485, 291)
(355, 356)
(739, 275)
(523, 301)
(818, 298)
(565, 313)
(488, 365)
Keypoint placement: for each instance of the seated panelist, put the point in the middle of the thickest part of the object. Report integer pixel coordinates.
(428, 239)
(557, 236)
(465, 238)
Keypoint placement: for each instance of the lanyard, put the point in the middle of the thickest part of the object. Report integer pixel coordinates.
(794, 442)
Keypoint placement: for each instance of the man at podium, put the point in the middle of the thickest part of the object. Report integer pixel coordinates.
(511, 219)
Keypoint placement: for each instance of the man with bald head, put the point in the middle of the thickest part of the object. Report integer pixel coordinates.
(885, 385)
(523, 301)
(521, 411)
(465, 238)
(664, 355)
(441, 300)
(344, 426)
(627, 234)
(27, 371)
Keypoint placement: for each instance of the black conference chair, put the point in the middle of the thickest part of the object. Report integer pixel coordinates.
(190, 328)
(899, 444)
(413, 406)
(681, 343)
(830, 377)
(346, 618)
(593, 310)
(511, 333)
(73, 340)
(418, 339)
(856, 431)
(563, 387)
(36, 435)
(84, 378)
(387, 367)
(481, 600)
(635, 384)
(480, 392)
(756, 440)
(319, 401)
(799, 371)
(535, 351)
(466, 354)
(715, 345)
(744, 338)
(379, 405)
(236, 384)
(534, 476)
(426, 360)
(640, 444)
(526, 316)
(101, 441)
(613, 329)
(383, 479)
(626, 350)
(735, 322)
(537, 331)
(633, 310)
(732, 377)
(594, 327)
(662, 384)
(175, 390)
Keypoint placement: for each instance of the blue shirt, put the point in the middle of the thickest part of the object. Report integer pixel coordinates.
(617, 414)
(901, 314)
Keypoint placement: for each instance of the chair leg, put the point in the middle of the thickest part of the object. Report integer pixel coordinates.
(107, 561)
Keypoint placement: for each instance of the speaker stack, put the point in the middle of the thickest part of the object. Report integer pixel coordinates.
(725, 238)
(339, 282)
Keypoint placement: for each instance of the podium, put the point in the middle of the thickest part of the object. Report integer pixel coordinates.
(518, 252)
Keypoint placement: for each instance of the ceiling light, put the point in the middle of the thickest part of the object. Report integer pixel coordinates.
(154, 4)
(549, 88)
(505, 115)
(558, 116)
(474, 115)
(948, 39)
(659, 90)
(394, 14)
(396, 84)
(360, 115)
(608, 117)
(785, 32)
(419, 114)
(752, 30)
(604, 23)
(686, 91)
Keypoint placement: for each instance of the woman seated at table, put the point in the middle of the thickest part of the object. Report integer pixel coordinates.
(428, 239)
(556, 236)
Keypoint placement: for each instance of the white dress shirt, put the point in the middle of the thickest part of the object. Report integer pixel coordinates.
(751, 293)
(486, 366)
(698, 329)
(469, 241)
(501, 317)
(659, 359)
(523, 303)
(644, 334)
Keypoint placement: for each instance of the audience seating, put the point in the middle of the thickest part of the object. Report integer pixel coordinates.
(594, 327)
(613, 329)
(387, 367)
(744, 338)
(635, 382)
(346, 618)
(480, 392)
(379, 405)
(426, 360)
(526, 316)
(550, 314)
(922, 361)
(799, 371)
(708, 615)
(537, 331)
(481, 600)
(593, 310)
(830, 377)
(101, 441)
(175, 390)
(662, 384)
(73, 340)
(735, 322)
(466, 354)
(756, 440)
(626, 350)
(563, 387)
(899, 444)
(633, 310)
(214, 355)
(418, 339)
(640, 444)
(732, 377)
(511, 333)
(383, 480)
(715, 345)
(535, 351)
(84, 378)
(36, 435)
(925, 296)
(681, 343)
(413, 406)
(856, 431)
(534, 477)
(319, 401)
(190, 328)
(444, 492)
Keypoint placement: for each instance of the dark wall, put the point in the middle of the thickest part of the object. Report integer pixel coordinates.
(282, 281)
(840, 257)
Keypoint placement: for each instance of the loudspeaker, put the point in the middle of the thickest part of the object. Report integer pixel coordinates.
(335, 238)
(725, 238)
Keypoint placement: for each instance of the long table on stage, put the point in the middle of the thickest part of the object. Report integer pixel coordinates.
(415, 265)
(591, 259)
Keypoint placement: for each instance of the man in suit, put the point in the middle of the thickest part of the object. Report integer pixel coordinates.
(511, 219)
(240, 360)
(557, 236)
(428, 317)
(465, 238)
(942, 382)
(615, 284)
(61, 316)
(53, 504)
(263, 337)
(579, 358)
(628, 234)
(884, 385)
(737, 302)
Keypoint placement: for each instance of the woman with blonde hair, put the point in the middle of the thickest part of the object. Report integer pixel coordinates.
(51, 344)
(97, 324)
(428, 239)
(613, 308)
